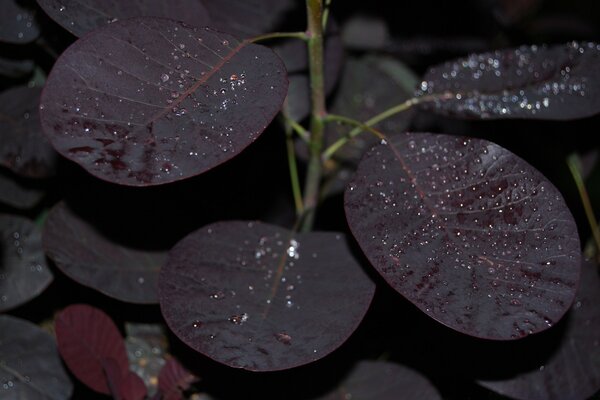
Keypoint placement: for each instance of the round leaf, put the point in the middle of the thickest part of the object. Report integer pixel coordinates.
(147, 101)
(380, 380)
(17, 23)
(23, 147)
(572, 372)
(535, 82)
(468, 232)
(82, 16)
(87, 337)
(30, 368)
(23, 270)
(259, 297)
(91, 258)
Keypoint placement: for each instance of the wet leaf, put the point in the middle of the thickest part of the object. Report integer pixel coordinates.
(23, 147)
(470, 233)
(89, 256)
(148, 101)
(259, 297)
(87, 337)
(23, 270)
(17, 23)
(18, 193)
(30, 368)
(381, 380)
(248, 18)
(572, 371)
(174, 379)
(532, 82)
(82, 16)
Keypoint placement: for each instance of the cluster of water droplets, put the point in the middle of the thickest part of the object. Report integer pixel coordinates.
(528, 81)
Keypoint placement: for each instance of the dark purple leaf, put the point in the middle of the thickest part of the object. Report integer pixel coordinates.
(23, 270)
(23, 147)
(259, 297)
(381, 380)
(82, 16)
(92, 258)
(470, 233)
(15, 68)
(572, 371)
(124, 385)
(148, 101)
(17, 192)
(533, 82)
(17, 23)
(87, 337)
(174, 379)
(247, 18)
(30, 368)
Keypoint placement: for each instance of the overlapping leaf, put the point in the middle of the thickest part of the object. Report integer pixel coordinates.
(259, 297)
(533, 82)
(23, 147)
(471, 234)
(174, 379)
(23, 270)
(82, 16)
(87, 338)
(572, 371)
(92, 258)
(380, 380)
(17, 23)
(147, 101)
(30, 368)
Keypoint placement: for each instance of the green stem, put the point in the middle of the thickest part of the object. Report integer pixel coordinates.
(277, 35)
(314, 9)
(295, 181)
(299, 129)
(355, 123)
(573, 164)
(326, 14)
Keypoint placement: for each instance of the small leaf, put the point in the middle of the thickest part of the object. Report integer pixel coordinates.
(23, 147)
(259, 297)
(124, 385)
(87, 337)
(174, 379)
(471, 234)
(380, 380)
(572, 371)
(17, 23)
(147, 101)
(23, 270)
(93, 259)
(532, 82)
(248, 18)
(30, 368)
(17, 192)
(82, 16)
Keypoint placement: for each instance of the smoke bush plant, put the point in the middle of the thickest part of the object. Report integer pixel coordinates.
(154, 93)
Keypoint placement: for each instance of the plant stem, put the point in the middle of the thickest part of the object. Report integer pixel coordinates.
(326, 13)
(277, 35)
(299, 129)
(314, 31)
(573, 163)
(355, 123)
(291, 156)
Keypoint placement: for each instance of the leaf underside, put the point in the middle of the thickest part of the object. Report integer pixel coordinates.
(147, 101)
(471, 234)
(259, 297)
(528, 82)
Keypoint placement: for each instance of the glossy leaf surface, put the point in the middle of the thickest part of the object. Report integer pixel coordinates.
(532, 82)
(23, 147)
(174, 379)
(248, 18)
(82, 16)
(87, 337)
(23, 270)
(17, 23)
(471, 234)
(30, 368)
(147, 101)
(259, 297)
(380, 380)
(89, 256)
(572, 371)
